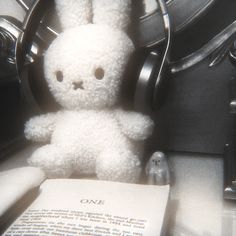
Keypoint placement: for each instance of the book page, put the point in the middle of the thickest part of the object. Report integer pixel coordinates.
(90, 207)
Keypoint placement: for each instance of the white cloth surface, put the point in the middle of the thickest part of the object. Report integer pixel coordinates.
(197, 195)
(196, 201)
(17, 182)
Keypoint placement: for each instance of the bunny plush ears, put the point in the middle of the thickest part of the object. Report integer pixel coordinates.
(114, 13)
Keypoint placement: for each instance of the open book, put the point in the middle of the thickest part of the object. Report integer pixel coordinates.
(93, 208)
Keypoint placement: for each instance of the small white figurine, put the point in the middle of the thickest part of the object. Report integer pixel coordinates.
(157, 170)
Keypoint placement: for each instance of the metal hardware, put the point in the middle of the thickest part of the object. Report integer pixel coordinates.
(28, 32)
(150, 31)
(149, 88)
(232, 53)
(227, 48)
(10, 30)
(205, 51)
(168, 35)
(7, 41)
(146, 82)
(26, 5)
(230, 147)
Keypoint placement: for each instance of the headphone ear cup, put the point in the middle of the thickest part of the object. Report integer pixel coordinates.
(161, 87)
(33, 89)
(143, 98)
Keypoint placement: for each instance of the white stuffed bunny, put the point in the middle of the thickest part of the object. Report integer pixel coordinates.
(84, 67)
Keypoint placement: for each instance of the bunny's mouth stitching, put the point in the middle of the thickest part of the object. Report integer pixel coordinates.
(78, 85)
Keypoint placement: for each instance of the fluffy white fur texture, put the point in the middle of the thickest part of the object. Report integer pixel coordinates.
(78, 53)
(84, 68)
(73, 13)
(116, 15)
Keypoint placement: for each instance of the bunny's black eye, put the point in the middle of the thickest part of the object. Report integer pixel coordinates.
(59, 76)
(99, 73)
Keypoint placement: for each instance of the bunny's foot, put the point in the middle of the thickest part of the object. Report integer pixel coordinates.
(53, 160)
(118, 165)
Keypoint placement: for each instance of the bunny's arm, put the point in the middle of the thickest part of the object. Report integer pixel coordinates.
(40, 128)
(134, 125)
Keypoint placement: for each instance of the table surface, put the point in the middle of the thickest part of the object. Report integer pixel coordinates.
(196, 204)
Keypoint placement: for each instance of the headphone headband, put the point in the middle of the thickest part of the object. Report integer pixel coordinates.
(23, 46)
(29, 28)
(151, 78)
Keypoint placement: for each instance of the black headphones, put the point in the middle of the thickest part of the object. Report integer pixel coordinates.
(35, 36)
(150, 89)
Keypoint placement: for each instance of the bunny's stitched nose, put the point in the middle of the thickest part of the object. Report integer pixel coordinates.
(78, 85)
